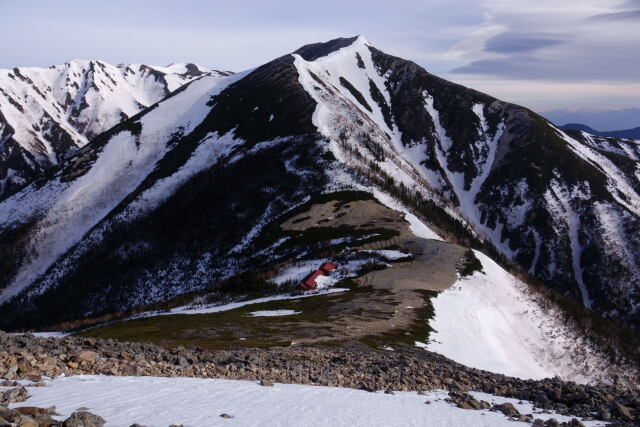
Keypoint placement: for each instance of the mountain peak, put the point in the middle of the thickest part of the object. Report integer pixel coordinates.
(311, 52)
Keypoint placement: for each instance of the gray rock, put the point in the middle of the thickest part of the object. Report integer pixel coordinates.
(525, 418)
(8, 413)
(464, 405)
(131, 370)
(25, 421)
(84, 419)
(508, 409)
(86, 356)
(14, 395)
(7, 383)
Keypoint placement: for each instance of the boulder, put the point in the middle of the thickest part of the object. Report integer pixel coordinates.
(45, 420)
(131, 370)
(84, 419)
(86, 356)
(508, 409)
(25, 421)
(464, 405)
(12, 373)
(8, 414)
(14, 395)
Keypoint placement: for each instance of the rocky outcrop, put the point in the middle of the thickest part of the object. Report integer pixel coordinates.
(31, 416)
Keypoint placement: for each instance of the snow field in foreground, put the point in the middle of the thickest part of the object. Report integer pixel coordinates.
(153, 401)
(488, 321)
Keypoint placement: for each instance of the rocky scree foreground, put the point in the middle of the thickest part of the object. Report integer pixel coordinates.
(351, 365)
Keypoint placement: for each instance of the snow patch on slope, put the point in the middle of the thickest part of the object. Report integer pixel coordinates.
(210, 150)
(559, 199)
(489, 321)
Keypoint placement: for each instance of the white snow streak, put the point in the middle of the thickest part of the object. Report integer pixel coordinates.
(489, 321)
(273, 313)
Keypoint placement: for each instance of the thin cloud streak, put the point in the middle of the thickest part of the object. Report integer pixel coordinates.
(521, 43)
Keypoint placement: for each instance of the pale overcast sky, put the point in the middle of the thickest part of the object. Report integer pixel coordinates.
(543, 54)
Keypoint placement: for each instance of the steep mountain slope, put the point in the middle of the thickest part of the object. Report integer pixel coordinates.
(45, 114)
(627, 133)
(186, 194)
(564, 207)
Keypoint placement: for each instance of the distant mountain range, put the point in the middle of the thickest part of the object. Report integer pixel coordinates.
(48, 113)
(605, 120)
(627, 133)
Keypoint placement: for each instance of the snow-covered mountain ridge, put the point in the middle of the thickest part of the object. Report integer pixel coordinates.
(47, 113)
(550, 201)
(178, 197)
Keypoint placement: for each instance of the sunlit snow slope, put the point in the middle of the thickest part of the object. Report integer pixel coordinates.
(47, 113)
(491, 321)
